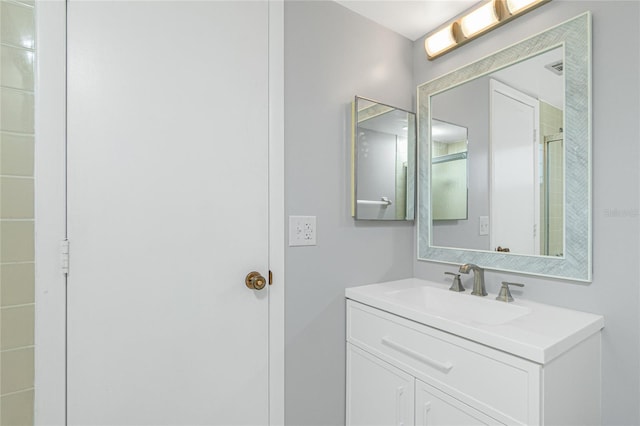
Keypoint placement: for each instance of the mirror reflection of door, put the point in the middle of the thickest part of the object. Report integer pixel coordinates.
(515, 184)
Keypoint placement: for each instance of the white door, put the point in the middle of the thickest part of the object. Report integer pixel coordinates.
(377, 392)
(515, 181)
(167, 212)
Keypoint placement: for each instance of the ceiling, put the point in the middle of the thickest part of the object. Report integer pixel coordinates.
(410, 18)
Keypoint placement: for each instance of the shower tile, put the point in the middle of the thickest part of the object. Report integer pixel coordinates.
(16, 198)
(16, 244)
(17, 409)
(17, 370)
(17, 327)
(16, 154)
(17, 26)
(550, 119)
(16, 68)
(17, 283)
(17, 113)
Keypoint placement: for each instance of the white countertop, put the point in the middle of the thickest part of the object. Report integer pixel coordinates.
(534, 331)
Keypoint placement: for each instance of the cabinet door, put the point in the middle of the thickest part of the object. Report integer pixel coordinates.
(434, 407)
(377, 392)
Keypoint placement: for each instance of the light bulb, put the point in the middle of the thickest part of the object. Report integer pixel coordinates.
(439, 41)
(480, 19)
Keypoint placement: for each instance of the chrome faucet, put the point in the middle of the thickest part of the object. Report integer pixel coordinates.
(478, 278)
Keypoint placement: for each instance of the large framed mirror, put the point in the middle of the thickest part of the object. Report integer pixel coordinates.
(383, 153)
(523, 117)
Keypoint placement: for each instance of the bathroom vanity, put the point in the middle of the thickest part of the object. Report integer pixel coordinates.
(420, 354)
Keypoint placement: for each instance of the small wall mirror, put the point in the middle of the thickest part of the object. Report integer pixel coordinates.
(383, 153)
(524, 151)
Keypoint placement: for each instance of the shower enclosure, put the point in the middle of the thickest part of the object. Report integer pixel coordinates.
(553, 185)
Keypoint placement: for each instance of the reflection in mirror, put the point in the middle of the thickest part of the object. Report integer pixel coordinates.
(383, 154)
(526, 110)
(552, 237)
(448, 171)
(510, 188)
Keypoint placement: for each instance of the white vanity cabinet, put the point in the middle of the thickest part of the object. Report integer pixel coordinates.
(402, 372)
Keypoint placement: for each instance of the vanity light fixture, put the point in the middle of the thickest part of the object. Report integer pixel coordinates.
(474, 22)
(440, 41)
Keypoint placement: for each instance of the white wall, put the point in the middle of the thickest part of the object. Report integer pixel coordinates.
(614, 291)
(331, 55)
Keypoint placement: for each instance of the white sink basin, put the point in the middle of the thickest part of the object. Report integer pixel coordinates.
(534, 331)
(462, 307)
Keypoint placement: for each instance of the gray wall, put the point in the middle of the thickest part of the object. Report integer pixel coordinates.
(331, 55)
(616, 250)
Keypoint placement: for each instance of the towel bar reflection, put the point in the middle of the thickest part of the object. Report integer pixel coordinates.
(384, 201)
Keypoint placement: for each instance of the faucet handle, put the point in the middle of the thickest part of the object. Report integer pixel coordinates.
(467, 267)
(457, 284)
(505, 294)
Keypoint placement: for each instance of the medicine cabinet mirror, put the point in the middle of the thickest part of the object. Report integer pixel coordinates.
(523, 117)
(383, 153)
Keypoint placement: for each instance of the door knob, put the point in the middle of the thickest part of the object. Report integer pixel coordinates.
(255, 281)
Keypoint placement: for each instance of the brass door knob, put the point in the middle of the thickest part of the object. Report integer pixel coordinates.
(255, 281)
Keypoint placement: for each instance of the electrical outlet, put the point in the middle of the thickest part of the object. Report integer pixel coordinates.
(484, 225)
(302, 231)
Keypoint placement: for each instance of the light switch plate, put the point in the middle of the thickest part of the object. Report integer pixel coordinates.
(484, 225)
(302, 231)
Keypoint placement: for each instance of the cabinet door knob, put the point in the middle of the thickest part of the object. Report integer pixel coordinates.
(255, 281)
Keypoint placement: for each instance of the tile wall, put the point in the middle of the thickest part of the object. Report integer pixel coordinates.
(17, 47)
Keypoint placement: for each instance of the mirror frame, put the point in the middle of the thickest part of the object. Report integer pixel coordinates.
(576, 264)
